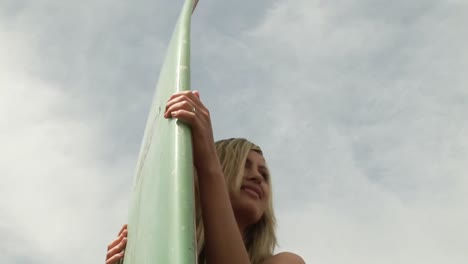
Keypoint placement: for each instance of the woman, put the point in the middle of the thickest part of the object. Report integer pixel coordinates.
(233, 192)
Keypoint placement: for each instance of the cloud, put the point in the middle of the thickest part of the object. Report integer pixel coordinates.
(369, 104)
(54, 186)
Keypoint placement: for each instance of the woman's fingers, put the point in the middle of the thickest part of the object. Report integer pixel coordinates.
(124, 227)
(188, 96)
(183, 93)
(187, 107)
(115, 258)
(182, 105)
(118, 239)
(117, 249)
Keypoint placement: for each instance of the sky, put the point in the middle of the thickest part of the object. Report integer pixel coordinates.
(360, 108)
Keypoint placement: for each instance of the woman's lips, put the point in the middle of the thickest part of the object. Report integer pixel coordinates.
(252, 191)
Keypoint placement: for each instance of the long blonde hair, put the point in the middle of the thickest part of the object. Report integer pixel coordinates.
(260, 239)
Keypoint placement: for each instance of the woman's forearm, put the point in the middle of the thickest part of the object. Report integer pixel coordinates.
(223, 240)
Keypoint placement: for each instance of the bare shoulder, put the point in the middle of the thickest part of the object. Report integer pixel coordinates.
(284, 258)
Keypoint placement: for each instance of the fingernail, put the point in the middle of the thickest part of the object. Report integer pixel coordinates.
(173, 113)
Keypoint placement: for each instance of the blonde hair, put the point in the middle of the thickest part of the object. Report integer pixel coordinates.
(260, 238)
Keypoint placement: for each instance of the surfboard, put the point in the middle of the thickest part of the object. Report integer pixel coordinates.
(161, 225)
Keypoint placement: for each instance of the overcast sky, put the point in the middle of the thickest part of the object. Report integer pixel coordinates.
(361, 108)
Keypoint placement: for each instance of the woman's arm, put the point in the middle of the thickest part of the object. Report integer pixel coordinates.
(223, 241)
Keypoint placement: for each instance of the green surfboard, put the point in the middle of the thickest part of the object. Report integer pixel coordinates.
(161, 225)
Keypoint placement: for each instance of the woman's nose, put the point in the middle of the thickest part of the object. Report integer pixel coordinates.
(256, 177)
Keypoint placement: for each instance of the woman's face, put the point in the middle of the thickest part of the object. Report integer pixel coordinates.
(251, 201)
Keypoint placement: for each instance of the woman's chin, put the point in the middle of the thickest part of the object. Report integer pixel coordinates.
(248, 210)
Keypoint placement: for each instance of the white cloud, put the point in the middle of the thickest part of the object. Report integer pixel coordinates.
(53, 184)
(369, 108)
